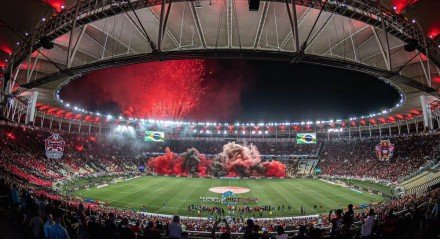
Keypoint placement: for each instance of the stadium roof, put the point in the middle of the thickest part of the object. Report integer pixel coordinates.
(347, 34)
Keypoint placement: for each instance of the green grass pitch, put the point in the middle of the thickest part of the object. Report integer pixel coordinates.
(178, 193)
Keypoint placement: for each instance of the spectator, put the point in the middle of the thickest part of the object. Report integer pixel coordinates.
(95, 229)
(226, 234)
(336, 223)
(367, 225)
(36, 225)
(124, 230)
(48, 225)
(175, 229)
(390, 225)
(136, 229)
(110, 226)
(150, 232)
(302, 233)
(57, 231)
(280, 233)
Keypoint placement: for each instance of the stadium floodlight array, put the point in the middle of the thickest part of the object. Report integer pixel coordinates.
(109, 117)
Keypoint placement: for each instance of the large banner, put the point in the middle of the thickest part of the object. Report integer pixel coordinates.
(306, 138)
(384, 150)
(154, 136)
(54, 146)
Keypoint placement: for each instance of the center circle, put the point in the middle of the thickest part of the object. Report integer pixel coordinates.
(233, 189)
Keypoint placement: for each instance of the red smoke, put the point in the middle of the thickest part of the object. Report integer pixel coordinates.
(190, 89)
(164, 164)
(274, 169)
(204, 165)
(240, 160)
(235, 160)
(171, 164)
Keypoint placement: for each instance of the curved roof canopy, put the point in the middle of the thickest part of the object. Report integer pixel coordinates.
(346, 34)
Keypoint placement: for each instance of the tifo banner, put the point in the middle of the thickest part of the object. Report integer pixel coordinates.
(54, 146)
(306, 138)
(384, 150)
(154, 136)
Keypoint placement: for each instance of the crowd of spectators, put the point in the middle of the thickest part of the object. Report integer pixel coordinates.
(412, 216)
(357, 157)
(215, 146)
(27, 176)
(23, 155)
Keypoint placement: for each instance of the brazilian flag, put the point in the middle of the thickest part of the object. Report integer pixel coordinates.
(306, 138)
(154, 136)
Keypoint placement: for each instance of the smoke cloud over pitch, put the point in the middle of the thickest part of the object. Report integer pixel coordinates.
(235, 160)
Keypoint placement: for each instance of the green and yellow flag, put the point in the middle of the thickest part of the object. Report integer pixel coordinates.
(154, 136)
(306, 138)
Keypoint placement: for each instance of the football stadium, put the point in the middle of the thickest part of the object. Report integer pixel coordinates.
(139, 119)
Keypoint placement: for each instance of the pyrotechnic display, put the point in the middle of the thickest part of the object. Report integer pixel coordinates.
(227, 90)
(234, 161)
(172, 90)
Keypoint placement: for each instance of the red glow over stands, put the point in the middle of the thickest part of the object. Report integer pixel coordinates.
(79, 148)
(415, 112)
(10, 135)
(6, 49)
(434, 32)
(63, 113)
(400, 5)
(58, 5)
(66, 114)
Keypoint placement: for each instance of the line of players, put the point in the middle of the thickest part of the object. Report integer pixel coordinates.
(229, 199)
(240, 209)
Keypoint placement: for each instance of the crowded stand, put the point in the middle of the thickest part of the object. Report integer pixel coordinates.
(30, 199)
(400, 218)
(355, 157)
(212, 146)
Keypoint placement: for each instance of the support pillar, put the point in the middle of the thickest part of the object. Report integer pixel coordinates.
(417, 127)
(427, 113)
(42, 120)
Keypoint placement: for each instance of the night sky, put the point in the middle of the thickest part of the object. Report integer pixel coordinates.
(230, 90)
